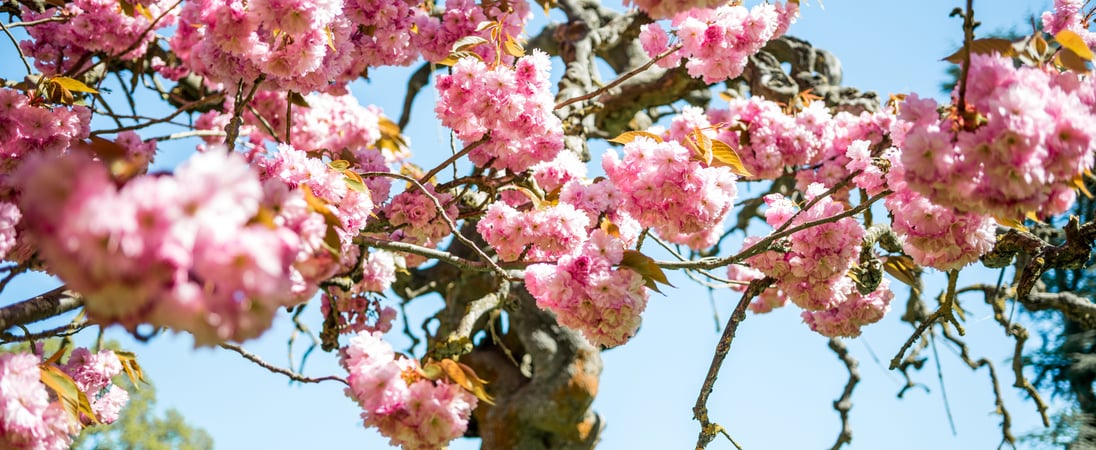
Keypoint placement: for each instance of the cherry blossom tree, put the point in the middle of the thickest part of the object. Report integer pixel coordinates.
(544, 250)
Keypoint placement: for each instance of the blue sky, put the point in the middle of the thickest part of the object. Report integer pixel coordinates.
(777, 386)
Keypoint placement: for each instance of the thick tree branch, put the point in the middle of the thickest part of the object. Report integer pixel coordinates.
(50, 304)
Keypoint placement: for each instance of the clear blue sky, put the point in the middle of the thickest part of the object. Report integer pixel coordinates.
(777, 386)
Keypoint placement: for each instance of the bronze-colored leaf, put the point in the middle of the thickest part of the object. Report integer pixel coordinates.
(339, 165)
(513, 47)
(466, 43)
(1069, 39)
(1070, 60)
(645, 266)
(701, 144)
(74, 401)
(627, 137)
(1011, 223)
(73, 84)
(465, 377)
(297, 99)
(130, 366)
(903, 269)
(355, 182)
(726, 155)
(1079, 183)
(985, 46)
(127, 7)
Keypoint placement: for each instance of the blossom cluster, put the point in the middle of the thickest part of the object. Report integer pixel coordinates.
(811, 268)
(416, 219)
(716, 43)
(552, 175)
(28, 419)
(601, 201)
(1029, 135)
(9, 217)
(27, 129)
(545, 233)
(330, 208)
(509, 107)
(31, 419)
(385, 32)
(462, 18)
(412, 411)
(665, 188)
(587, 294)
(92, 26)
(665, 9)
(328, 122)
(92, 373)
(180, 251)
(1066, 15)
(294, 45)
(934, 235)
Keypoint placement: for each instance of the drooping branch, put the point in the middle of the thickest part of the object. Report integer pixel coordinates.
(844, 404)
(708, 429)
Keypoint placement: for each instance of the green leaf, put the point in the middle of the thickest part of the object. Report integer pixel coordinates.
(645, 266)
(72, 398)
(985, 46)
(726, 155)
(1072, 41)
(627, 137)
(339, 164)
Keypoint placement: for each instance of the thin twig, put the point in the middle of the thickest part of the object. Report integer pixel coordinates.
(292, 375)
(947, 303)
(15, 43)
(466, 150)
(31, 23)
(449, 222)
(763, 244)
(182, 109)
(61, 331)
(620, 79)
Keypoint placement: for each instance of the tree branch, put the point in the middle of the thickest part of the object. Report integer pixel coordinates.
(844, 404)
(709, 430)
(292, 375)
(50, 304)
